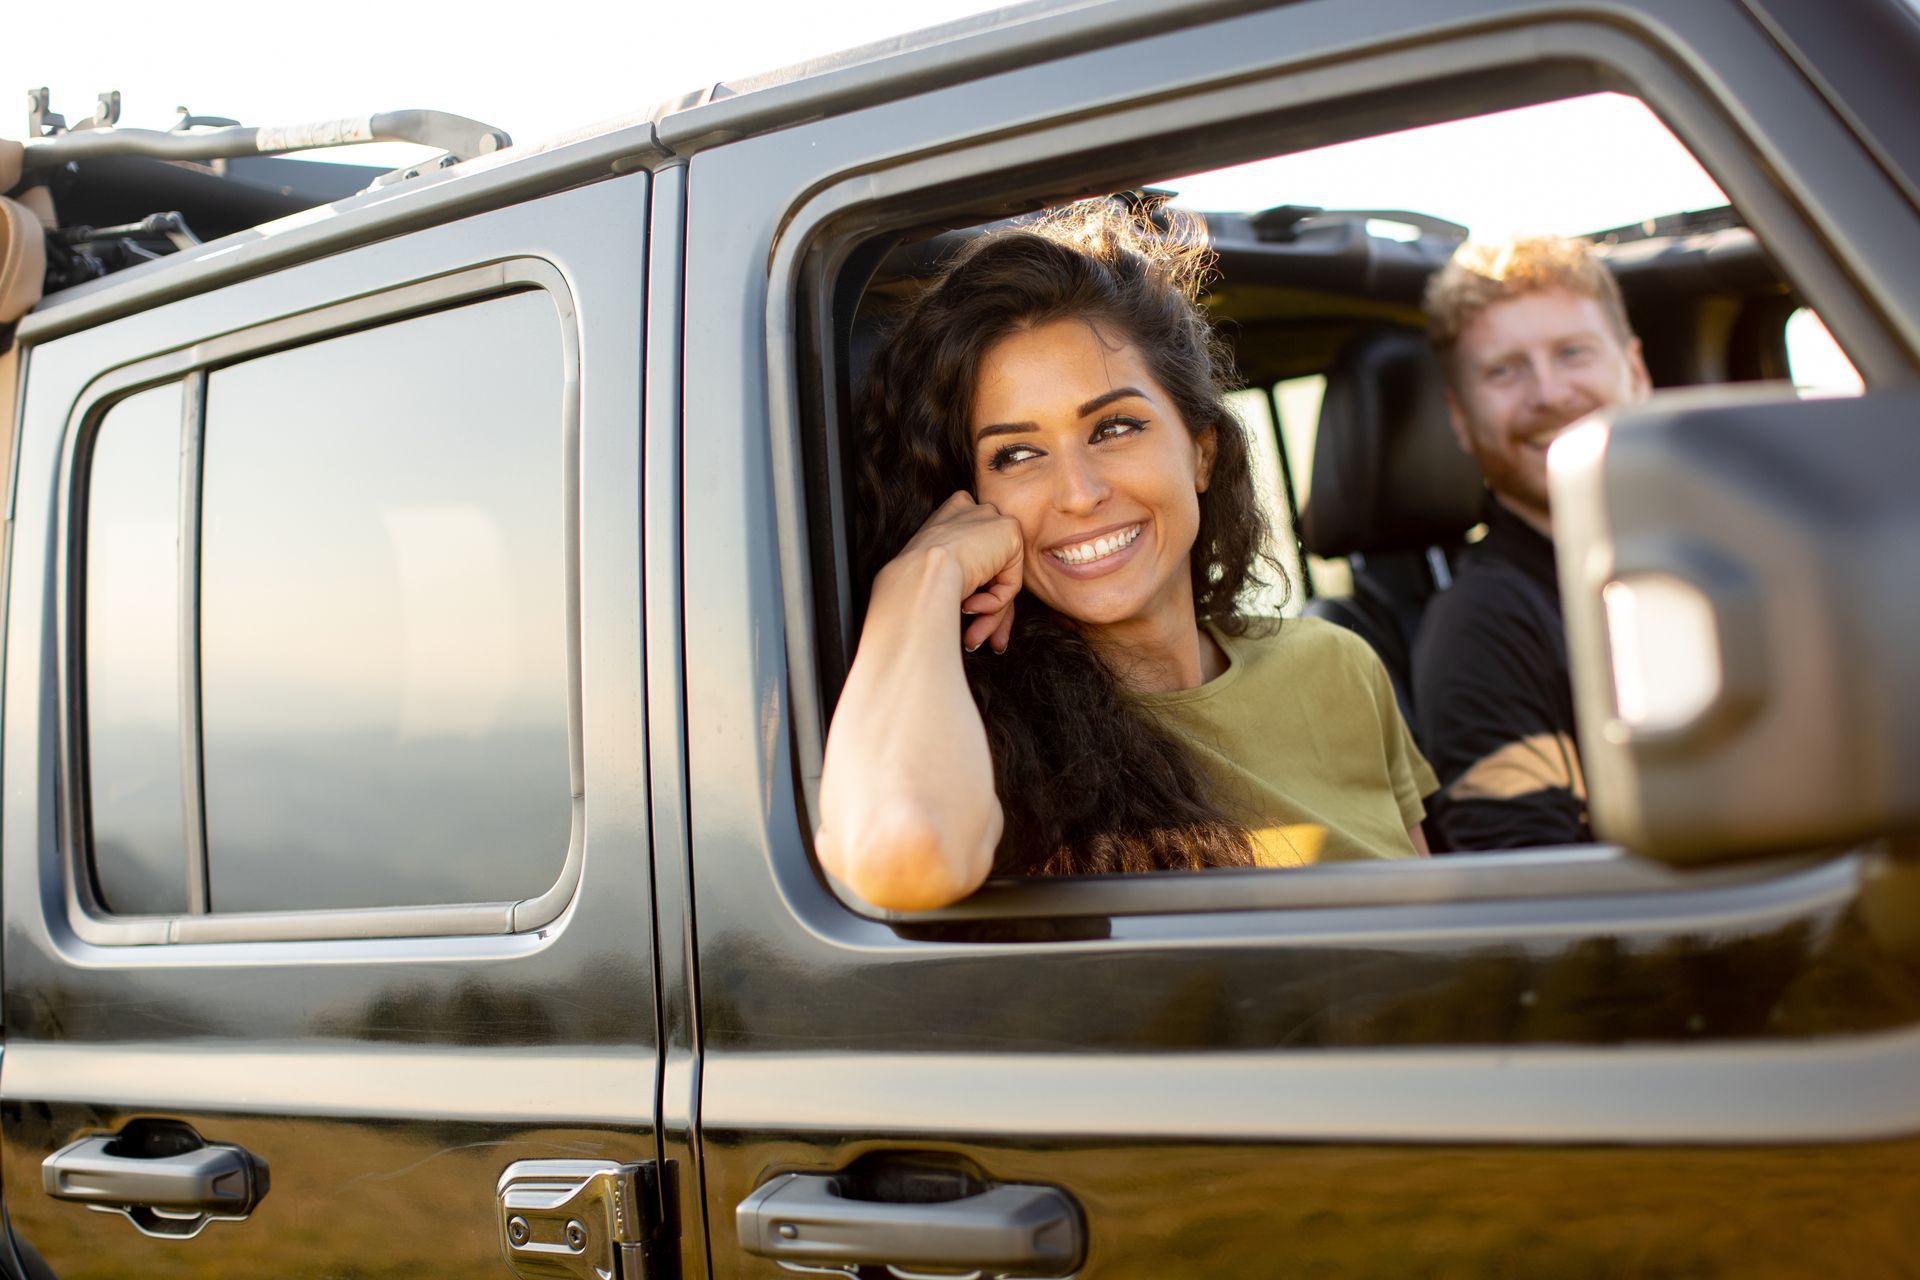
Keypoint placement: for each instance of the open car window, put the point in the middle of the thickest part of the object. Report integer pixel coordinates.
(1326, 251)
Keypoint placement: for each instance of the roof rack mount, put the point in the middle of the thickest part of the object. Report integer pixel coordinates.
(458, 136)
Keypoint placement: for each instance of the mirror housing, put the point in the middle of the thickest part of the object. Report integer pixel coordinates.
(1740, 574)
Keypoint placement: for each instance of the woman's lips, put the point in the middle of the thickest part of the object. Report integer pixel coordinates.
(1102, 558)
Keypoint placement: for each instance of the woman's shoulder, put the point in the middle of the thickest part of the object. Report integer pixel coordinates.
(1298, 641)
(1323, 661)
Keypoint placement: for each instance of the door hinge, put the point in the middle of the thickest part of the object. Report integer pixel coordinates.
(587, 1220)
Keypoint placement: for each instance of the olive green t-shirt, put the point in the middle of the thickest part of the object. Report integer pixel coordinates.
(1302, 740)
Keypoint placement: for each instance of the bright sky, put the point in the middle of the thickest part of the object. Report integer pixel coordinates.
(1581, 165)
(1577, 166)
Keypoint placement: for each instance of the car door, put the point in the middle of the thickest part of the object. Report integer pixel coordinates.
(326, 841)
(1571, 1062)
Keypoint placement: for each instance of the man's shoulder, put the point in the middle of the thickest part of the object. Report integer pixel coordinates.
(1493, 617)
(1485, 590)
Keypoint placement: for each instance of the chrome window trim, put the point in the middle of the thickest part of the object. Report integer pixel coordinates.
(193, 411)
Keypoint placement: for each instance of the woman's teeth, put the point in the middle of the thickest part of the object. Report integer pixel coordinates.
(1096, 549)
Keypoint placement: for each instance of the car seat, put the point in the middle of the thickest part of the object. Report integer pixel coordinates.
(1392, 492)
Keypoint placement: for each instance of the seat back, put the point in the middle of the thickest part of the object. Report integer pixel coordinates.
(1392, 492)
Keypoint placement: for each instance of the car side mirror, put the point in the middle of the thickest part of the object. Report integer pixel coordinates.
(1740, 574)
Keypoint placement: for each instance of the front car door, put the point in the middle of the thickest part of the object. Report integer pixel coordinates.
(326, 839)
(1548, 1064)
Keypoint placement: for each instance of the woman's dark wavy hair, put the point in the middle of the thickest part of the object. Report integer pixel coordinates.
(1087, 780)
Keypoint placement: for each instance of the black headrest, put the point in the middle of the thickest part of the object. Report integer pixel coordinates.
(1387, 473)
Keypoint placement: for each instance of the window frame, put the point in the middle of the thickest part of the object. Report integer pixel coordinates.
(1538, 58)
(192, 388)
(89, 917)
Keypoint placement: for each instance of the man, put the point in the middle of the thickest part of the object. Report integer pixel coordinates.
(1531, 335)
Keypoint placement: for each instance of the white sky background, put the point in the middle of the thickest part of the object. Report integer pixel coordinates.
(1581, 165)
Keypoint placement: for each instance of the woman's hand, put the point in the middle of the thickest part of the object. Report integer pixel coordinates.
(987, 554)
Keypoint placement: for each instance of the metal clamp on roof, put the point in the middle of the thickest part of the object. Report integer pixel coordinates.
(458, 136)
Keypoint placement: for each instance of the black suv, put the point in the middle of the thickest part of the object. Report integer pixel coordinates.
(423, 610)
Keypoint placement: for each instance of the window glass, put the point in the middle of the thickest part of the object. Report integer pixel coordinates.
(383, 616)
(132, 645)
(1815, 361)
(1299, 401)
(1269, 489)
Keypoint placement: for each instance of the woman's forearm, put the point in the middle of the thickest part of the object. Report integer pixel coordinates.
(908, 814)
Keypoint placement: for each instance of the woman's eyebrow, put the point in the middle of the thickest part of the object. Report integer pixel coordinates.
(1005, 429)
(1108, 397)
(1092, 406)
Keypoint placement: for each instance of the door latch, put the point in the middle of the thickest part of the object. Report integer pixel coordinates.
(583, 1220)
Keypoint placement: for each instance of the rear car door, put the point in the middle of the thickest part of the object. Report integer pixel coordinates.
(326, 843)
(1569, 1062)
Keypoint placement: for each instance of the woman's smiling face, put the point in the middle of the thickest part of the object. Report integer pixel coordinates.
(1074, 438)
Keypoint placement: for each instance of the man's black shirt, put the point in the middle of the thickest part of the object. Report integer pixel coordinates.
(1494, 700)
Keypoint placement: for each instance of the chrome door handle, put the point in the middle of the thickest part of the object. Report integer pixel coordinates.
(167, 1193)
(1005, 1230)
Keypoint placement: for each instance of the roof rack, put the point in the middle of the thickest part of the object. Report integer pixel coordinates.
(51, 144)
(112, 198)
(1283, 224)
(1689, 223)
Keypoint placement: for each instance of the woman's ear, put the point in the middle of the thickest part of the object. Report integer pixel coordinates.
(1203, 447)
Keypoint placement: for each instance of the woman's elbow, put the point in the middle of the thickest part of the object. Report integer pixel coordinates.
(906, 860)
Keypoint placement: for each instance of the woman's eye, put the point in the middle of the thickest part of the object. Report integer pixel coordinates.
(1110, 428)
(1008, 455)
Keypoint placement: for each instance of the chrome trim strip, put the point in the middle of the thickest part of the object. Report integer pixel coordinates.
(1846, 1089)
(494, 1084)
(193, 411)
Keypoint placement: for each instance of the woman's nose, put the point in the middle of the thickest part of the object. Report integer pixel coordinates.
(1078, 485)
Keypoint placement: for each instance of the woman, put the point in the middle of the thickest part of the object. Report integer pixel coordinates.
(1051, 678)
